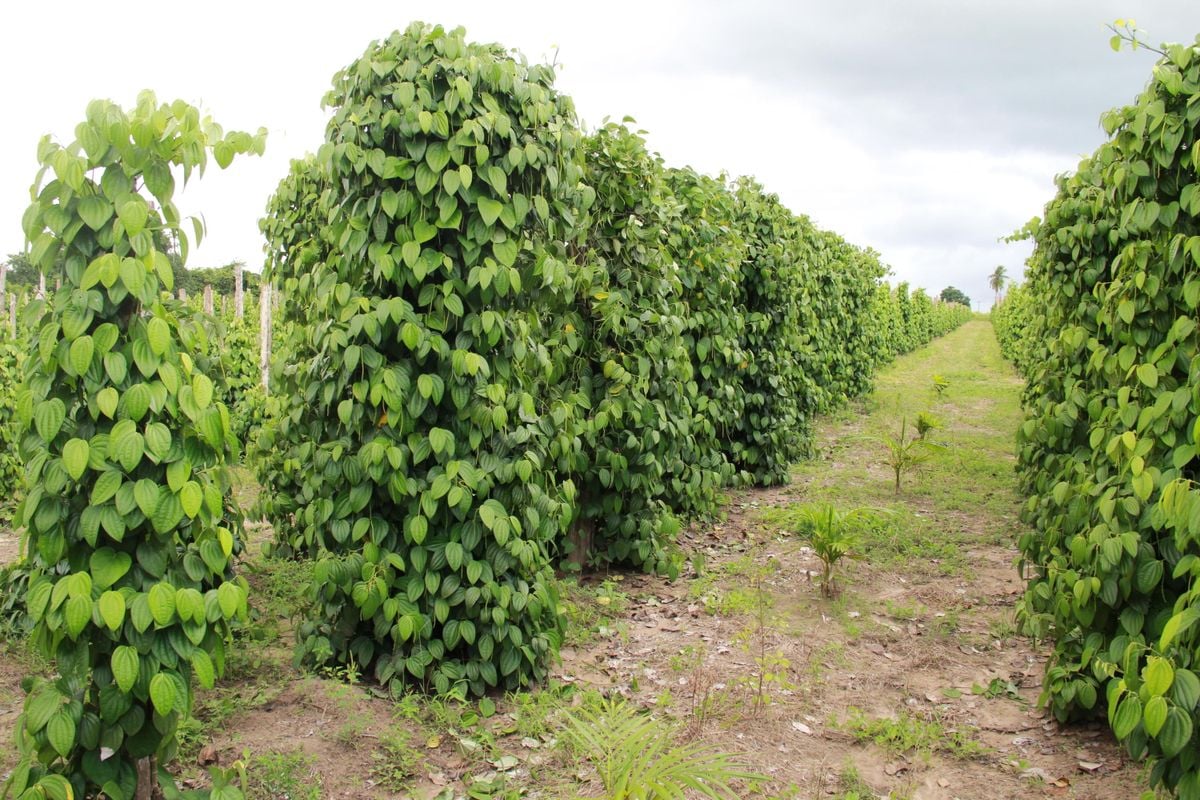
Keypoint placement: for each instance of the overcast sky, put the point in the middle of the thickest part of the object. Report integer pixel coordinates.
(926, 129)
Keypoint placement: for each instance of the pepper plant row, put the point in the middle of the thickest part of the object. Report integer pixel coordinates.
(1105, 331)
(509, 344)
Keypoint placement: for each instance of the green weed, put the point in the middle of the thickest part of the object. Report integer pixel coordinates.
(909, 733)
(273, 775)
(833, 535)
(397, 760)
(905, 455)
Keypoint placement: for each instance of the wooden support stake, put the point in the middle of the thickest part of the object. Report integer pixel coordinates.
(239, 300)
(264, 336)
(208, 300)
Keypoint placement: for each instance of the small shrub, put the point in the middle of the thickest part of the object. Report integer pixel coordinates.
(926, 422)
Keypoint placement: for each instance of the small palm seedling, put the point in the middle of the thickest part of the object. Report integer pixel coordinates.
(940, 385)
(834, 534)
(926, 422)
(904, 454)
(635, 759)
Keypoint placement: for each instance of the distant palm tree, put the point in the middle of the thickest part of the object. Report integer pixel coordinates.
(996, 281)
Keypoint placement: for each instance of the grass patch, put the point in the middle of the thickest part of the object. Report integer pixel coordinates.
(273, 775)
(594, 610)
(851, 786)
(397, 759)
(903, 539)
(910, 733)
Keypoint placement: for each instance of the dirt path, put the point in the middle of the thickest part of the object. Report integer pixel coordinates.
(10, 546)
(911, 683)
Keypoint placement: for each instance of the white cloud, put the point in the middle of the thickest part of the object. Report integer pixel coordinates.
(925, 130)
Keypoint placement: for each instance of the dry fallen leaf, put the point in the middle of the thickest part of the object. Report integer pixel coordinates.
(800, 726)
(1038, 773)
(208, 755)
(1090, 766)
(506, 763)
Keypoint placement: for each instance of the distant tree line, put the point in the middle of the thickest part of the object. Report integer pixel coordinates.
(952, 295)
(23, 276)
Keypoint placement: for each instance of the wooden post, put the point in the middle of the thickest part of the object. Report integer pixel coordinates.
(3, 278)
(223, 298)
(264, 335)
(182, 294)
(239, 300)
(12, 315)
(58, 283)
(208, 300)
(41, 285)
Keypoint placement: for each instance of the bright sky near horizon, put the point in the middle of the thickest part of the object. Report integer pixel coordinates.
(927, 129)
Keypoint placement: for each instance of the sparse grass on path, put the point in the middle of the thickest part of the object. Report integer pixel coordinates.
(964, 495)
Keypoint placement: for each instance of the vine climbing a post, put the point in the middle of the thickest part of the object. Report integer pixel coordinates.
(128, 526)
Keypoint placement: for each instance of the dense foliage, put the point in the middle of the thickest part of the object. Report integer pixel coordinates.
(128, 532)
(849, 341)
(416, 445)
(221, 279)
(708, 248)
(1012, 318)
(781, 397)
(1108, 449)
(897, 325)
(22, 274)
(634, 369)
(505, 342)
(12, 357)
